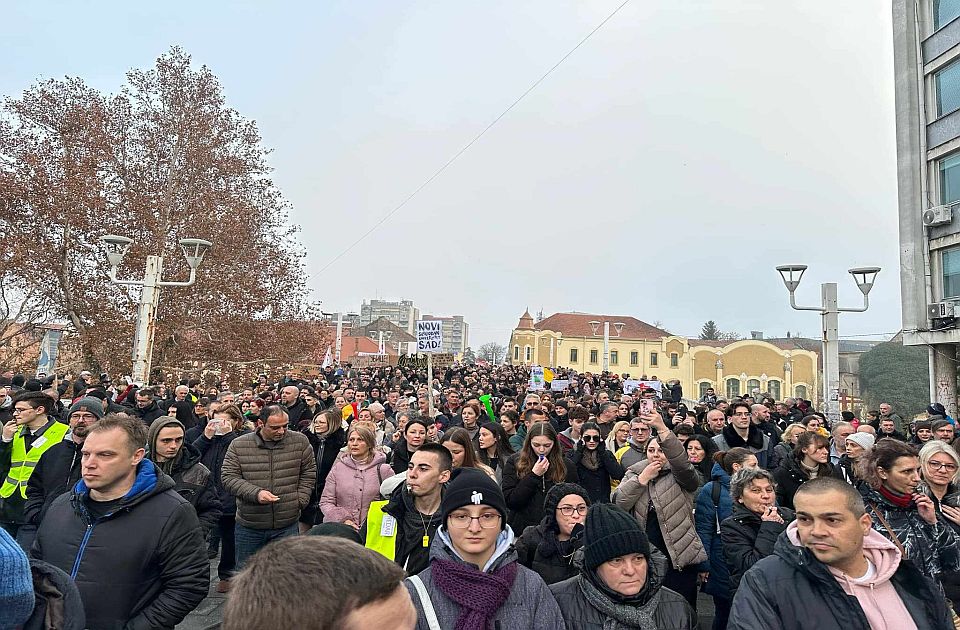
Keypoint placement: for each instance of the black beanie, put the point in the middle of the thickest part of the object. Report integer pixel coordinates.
(472, 486)
(610, 533)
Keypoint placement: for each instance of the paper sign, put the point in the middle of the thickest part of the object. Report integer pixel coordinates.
(536, 378)
(558, 385)
(429, 335)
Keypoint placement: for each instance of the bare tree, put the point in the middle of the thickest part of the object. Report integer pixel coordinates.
(492, 352)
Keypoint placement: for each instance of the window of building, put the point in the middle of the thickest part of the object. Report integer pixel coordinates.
(774, 388)
(948, 89)
(614, 357)
(674, 360)
(653, 359)
(634, 358)
(944, 12)
(950, 179)
(800, 391)
(594, 356)
(733, 387)
(574, 355)
(704, 386)
(752, 384)
(516, 353)
(950, 261)
(528, 353)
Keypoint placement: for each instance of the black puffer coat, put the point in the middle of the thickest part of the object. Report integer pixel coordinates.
(747, 539)
(195, 484)
(672, 613)
(792, 590)
(212, 451)
(933, 548)
(58, 604)
(538, 547)
(56, 472)
(142, 566)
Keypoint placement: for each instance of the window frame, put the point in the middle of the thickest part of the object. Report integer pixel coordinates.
(574, 355)
(614, 357)
(654, 360)
(634, 358)
(594, 357)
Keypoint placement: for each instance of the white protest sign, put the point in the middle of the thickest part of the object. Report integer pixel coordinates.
(558, 385)
(429, 335)
(655, 385)
(630, 385)
(536, 378)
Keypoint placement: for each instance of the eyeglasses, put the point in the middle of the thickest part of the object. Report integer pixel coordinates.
(639, 429)
(942, 466)
(568, 510)
(591, 438)
(487, 520)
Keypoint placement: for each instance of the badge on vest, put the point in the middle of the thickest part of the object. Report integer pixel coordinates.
(388, 527)
(40, 441)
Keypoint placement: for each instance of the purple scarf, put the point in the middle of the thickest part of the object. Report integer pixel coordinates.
(479, 595)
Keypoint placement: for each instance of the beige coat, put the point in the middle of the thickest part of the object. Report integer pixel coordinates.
(286, 468)
(673, 494)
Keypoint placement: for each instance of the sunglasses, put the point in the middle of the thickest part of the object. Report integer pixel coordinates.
(591, 438)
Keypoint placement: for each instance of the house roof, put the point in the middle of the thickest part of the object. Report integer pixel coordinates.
(578, 325)
(384, 324)
(350, 346)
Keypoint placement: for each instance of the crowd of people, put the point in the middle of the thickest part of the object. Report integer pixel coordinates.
(481, 504)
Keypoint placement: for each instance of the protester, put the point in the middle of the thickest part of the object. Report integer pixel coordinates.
(354, 480)
(713, 506)
(414, 435)
(402, 527)
(530, 473)
(741, 432)
(549, 548)
(133, 545)
(636, 449)
(327, 438)
(831, 570)
(596, 467)
(570, 437)
(838, 440)
(271, 472)
(856, 445)
(474, 580)
(810, 459)
(320, 583)
(700, 452)
(510, 422)
(619, 435)
(493, 448)
(940, 469)
(620, 584)
(146, 407)
(659, 491)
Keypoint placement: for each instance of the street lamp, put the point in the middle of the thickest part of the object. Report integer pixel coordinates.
(595, 326)
(116, 248)
(830, 311)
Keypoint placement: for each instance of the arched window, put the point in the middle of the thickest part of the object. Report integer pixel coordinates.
(774, 388)
(800, 391)
(752, 384)
(733, 387)
(704, 386)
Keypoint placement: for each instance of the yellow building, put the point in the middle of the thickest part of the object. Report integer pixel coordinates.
(732, 368)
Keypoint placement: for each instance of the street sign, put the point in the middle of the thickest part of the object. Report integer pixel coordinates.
(429, 336)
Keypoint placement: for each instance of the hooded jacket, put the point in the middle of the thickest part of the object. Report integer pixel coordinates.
(792, 590)
(58, 604)
(757, 442)
(746, 539)
(193, 479)
(409, 551)
(351, 487)
(708, 517)
(142, 566)
(672, 612)
(530, 605)
(538, 547)
(934, 548)
(212, 453)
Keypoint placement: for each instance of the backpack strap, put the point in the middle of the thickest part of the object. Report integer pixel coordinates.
(886, 526)
(433, 623)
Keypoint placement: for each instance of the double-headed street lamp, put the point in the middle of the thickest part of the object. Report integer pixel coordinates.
(830, 311)
(194, 250)
(595, 326)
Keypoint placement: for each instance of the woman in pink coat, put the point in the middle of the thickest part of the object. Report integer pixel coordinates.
(354, 481)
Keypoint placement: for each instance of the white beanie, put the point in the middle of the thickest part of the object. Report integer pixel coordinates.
(865, 440)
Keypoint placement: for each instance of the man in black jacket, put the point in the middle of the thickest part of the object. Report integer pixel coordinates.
(147, 408)
(830, 569)
(132, 545)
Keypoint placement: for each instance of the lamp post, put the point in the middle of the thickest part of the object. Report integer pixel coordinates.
(595, 326)
(829, 311)
(194, 249)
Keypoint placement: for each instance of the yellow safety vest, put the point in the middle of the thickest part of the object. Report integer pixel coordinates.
(381, 531)
(23, 462)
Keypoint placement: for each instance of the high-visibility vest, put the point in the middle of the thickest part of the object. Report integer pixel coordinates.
(22, 462)
(381, 531)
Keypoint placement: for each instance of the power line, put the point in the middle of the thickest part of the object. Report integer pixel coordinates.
(465, 147)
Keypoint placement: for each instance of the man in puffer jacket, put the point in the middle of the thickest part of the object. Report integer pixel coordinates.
(619, 585)
(830, 569)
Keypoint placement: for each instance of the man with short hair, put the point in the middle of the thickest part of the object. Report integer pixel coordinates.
(146, 407)
(180, 393)
(761, 418)
(942, 430)
(338, 585)
(887, 412)
(296, 408)
(29, 435)
(635, 450)
(606, 418)
(832, 557)
(272, 472)
(570, 437)
(402, 527)
(741, 432)
(888, 429)
(59, 467)
(838, 443)
(132, 545)
(714, 422)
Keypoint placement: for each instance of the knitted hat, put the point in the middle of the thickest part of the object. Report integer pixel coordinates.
(864, 440)
(336, 530)
(89, 403)
(472, 486)
(611, 533)
(16, 583)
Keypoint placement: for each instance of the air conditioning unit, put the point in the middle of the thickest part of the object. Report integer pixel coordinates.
(940, 310)
(939, 215)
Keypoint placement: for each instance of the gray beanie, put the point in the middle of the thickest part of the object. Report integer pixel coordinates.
(864, 440)
(91, 404)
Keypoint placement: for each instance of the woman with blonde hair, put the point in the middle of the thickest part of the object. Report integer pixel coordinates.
(784, 449)
(618, 436)
(354, 480)
(940, 469)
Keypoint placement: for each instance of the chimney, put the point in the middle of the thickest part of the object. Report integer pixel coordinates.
(756, 334)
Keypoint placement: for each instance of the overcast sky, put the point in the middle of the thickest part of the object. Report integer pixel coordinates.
(661, 171)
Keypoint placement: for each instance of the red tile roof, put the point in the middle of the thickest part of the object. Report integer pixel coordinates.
(578, 325)
(350, 346)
